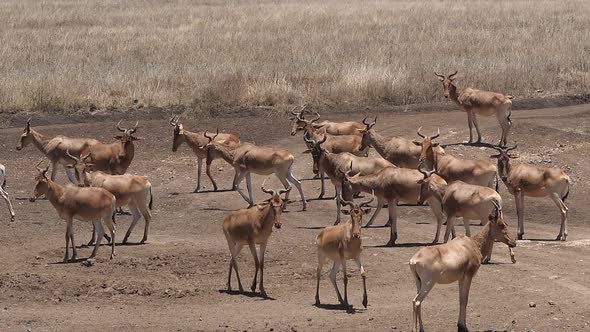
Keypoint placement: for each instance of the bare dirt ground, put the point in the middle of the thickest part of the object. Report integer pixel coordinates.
(175, 282)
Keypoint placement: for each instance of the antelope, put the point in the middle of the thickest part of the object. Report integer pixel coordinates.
(458, 260)
(54, 148)
(459, 199)
(397, 150)
(340, 243)
(391, 185)
(329, 163)
(131, 190)
(247, 158)
(528, 180)
(84, 204)
(451, 168)
(329, 127)
(114, 158)
(485, 103)
(3, 192)
(338, 143)
(253, 226)
(197, 143)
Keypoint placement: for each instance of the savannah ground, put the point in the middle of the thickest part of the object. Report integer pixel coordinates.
(176, 281)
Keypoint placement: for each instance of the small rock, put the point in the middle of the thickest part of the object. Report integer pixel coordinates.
(89, 262)
(200, 319)
(532, 305)
(370, 319)
(309, 319)
(38, 257)
(551, 302)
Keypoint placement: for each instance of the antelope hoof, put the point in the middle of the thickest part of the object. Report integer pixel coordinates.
(513, 259)
(317, 301)
(263, 294)
(560, 237)
(391, 243)
(462, 328)
(124, 241)
(12, 218)
(112, 256)
(435, 241)
(336, 222)
(143, 240)
(321, 196)
(90, 243)
(365, 302)
(196, 190)
(253, 287)
(66, 260)
(519, 236)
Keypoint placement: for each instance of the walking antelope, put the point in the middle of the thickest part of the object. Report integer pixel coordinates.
(329, 127)
(114, 158)
(485, 103)
(528, 180)
(197, 143)
(340, 243)
(330, 163)
(397, 150)
(391, 185)
(131, 190)
(54, 148)
(450, 168)
(253, 226)
(459, 199)
(84, 204)
(3, 192)
(458, 260)
(247, 158)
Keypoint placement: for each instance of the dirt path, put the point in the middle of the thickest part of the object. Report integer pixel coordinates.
(176, 281)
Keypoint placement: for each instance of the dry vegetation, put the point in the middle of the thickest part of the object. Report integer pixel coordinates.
(67, 54)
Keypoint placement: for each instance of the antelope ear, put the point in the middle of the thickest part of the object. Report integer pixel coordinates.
(420, 181)
(362, 131)
(513, 156)
(133, 138)
(366, 211)
(417, 143)
(434, 145)
(495, 156)
(346, 212)
(118, 137)
(70, 166)
(307, 151)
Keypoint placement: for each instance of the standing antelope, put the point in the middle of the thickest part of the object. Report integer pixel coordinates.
(391, 185)
(459, 199)
(450, 168)
(397, 150)
(247, 158)
(54, 148)
(458, 260)
(528, 180)
(340, 243)
(485, 103)
(197, 143)
(84, 204)
(3, 192)
(253, 226)
(131, 190)
(329, 127)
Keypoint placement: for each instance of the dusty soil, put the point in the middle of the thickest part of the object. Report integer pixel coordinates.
(176, 281)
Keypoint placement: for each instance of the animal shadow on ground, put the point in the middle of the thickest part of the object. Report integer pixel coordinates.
(480, 144)
(402, 245)
(211, 191)
(339, 307)
(246, 293)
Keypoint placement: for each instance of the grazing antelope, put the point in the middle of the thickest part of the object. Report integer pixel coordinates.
(54, 148)
(459, 199)
(197, 143)
(528, 180)
(329, 127)
(253, 226)
(391, 185)
(451, 168)
(397, 150)
(458, 260)
(485, 103)
(84, 204)
(247, 158)
(340, 243)
(131, 190)
(3, 192)
(114, 158)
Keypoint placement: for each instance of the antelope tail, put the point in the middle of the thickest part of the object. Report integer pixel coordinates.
(567, 192)
(497, 182)
(151, 205)
(4, 183)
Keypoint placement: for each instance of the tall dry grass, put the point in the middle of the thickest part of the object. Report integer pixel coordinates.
(63, 54)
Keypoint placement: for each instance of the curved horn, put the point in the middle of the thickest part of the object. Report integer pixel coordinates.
(437, 134)
(76, 159)
(497, 209)
(119, 128)
(39, 163)
(84, 157)
(318, 116)
(28, 125)
(308, 139)
(420, 134)
(174, 120)
(365, 121)
(452, 76)
(268, 191)
(284, 191)
(369, 201)
(323, 139)
(512, 148)
(439, 75)
(349, 172)
(345, 202)
(134, 129)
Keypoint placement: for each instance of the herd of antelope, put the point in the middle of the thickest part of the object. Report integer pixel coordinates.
(407, 171)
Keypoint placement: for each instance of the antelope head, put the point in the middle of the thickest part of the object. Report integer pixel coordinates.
(425, 186)
(26, 137)
(276, 203)
(178, 132)
(81, 167)
(316, 150)
(365, 142)
(499, 228)
(298, 119)
(427, 155)
(42, 185)
(127, 137)
(447, 82)
(356, 212)
(504, 157)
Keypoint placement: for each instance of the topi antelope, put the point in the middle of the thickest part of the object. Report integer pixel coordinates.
(459, 199)
(329, 127)
(84, 204)
(253, 226)
(451, 168)
(131, 190)
(247, 158)
(197, 143)
(528, 180)
(397, 150)
(391, 185)
(54, 148)
(485, 103)
(3, 192)
(340, 243)
(458, 260)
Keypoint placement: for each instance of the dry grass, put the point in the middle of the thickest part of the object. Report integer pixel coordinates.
(65, 54)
